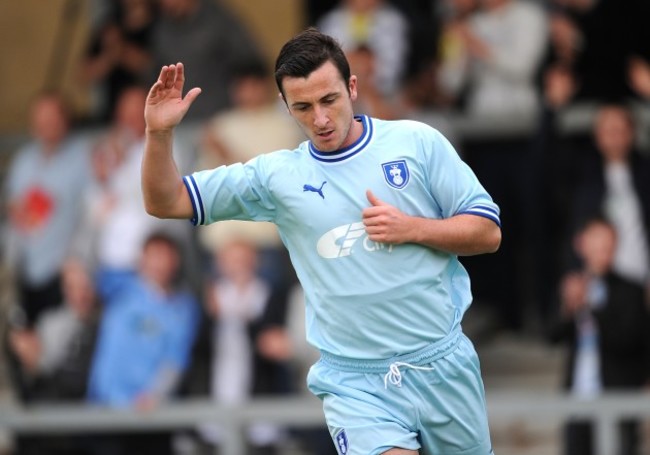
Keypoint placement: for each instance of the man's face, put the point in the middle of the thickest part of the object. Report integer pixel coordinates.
(128, 112)
(321, 103)
(614, 134)
(597, 246)
(159, 263)
(49, 122)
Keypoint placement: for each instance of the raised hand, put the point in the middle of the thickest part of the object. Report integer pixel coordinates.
(165, 106)
(573, 292)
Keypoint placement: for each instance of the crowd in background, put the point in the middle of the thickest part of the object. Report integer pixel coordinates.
(116, 308)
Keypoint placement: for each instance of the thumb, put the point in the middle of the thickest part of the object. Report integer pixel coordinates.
(191, 96)
(374, 200)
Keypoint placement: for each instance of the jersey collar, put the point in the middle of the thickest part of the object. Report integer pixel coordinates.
(350, 150)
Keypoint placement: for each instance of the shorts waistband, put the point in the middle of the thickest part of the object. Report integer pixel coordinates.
(423, 356)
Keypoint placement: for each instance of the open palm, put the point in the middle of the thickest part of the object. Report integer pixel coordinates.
(165, 106)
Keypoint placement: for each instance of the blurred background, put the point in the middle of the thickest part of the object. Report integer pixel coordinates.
(113, 318)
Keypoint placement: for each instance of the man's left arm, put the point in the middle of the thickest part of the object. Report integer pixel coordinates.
(462, 234)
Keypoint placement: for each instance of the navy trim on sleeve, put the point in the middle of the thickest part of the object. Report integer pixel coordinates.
(484, 211)
(195, 197)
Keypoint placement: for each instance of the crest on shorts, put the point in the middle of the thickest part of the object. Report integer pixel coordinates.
(341, 441)
(396, 173)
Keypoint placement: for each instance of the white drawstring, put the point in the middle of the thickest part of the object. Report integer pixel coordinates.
(395, 376)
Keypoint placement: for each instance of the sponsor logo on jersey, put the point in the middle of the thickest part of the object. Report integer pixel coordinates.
(396, 173)
(341, 441)
(339, 241)
(313, 189)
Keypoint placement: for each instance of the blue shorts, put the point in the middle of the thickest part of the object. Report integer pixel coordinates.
(431, 400)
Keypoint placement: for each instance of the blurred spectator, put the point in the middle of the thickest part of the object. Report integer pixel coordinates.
(558, 88)
(116, 223)
(210, 41)
(52, 360)
(146, 336)
(565, 41)
(370, 100)
(379, 26)
(45, 183)
(639, 77)
(606, 322)
(599, 62)
(452, 56)
(255, 102)
(503, 45)
(55, 355)
(119, 54)
(615, 183)
(250, 345)
(422, 99)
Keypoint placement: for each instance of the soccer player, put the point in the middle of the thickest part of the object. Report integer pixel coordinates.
(374, 215)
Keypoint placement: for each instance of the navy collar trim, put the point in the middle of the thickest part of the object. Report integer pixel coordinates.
(350, 150)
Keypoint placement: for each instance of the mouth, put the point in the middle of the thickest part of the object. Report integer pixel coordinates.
(325, 134)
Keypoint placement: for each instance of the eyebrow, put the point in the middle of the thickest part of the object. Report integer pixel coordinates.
(298, 104)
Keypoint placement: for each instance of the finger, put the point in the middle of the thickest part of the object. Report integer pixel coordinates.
(369, 212)
(376, 214)
(163, 71)
(377, 237)
(374, 230)
(374, 200)
(180, 76)
(170, 76)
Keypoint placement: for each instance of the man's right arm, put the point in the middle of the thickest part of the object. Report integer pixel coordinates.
(164, 193)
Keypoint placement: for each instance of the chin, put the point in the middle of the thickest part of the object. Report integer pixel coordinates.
(329, 146)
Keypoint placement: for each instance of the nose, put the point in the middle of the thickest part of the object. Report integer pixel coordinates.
(320, 117)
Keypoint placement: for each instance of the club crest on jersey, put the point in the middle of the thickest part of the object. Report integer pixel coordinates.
(341, 441)
(396, 173)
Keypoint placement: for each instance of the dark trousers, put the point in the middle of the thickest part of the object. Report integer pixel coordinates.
(136, 443)
(141, 443)
(579, 438)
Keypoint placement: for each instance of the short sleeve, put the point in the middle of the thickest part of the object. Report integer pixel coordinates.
(453, 184)
(234, 192)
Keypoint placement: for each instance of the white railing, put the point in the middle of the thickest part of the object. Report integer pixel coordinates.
(529, 407)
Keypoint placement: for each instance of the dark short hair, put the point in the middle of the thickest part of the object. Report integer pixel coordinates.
(254, 68)
(593, 219)
(162, 237)
(306, 52)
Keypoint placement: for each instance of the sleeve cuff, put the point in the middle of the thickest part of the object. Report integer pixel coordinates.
(485, 211)
(197, 203)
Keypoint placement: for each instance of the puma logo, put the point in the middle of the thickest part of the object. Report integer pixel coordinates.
(313, 189)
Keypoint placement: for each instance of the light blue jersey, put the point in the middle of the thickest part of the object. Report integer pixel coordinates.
(364, 300)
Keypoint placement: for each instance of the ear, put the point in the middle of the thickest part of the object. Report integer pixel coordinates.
(352, 87)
